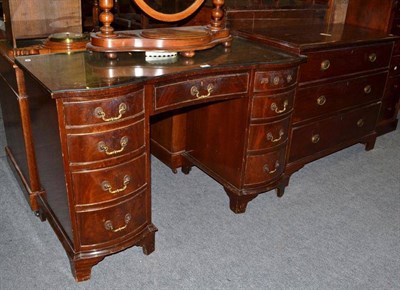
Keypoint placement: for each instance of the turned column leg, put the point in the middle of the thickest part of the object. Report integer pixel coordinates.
(280, 189)
(238, 203)
(82, 269)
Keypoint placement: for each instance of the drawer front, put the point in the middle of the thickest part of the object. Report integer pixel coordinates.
(267, 135)
(106, 184)
(321, 135)
(319, 100)
(272, 80)
(192, 91)
(103, 111)
(105, 145)
(107, 224)
(395, 65)
(264, 168)
(331, 63)
(272, 106)
(314, 137)
(358, 123)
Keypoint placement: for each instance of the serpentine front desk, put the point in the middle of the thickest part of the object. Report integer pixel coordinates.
(80, 126)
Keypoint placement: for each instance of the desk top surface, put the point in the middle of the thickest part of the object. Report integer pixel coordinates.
(85, 70)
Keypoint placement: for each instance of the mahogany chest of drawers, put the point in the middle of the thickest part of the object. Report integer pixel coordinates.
(344, 89)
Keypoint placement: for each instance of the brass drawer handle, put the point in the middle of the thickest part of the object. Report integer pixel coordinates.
(106, 186)
(104, 148)
(372, 57)
(325, 65)
(360, 123)
(194, 91)
(274, 107)
(289, 78)
(109, 226)
(315, 138)
(266, 168)
(367, 89)
(99, 113)
(276, 80)
(270, 137)
(321, 100)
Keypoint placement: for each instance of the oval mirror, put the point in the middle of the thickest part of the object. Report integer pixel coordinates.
(169, 10)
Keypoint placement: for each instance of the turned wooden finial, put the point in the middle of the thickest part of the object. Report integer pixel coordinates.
(106, 17)
(216, 15)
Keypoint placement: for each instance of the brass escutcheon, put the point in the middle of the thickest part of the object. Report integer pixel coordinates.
(270, 137)
(99, 113)
(372, 57)
(104, 148)
(267, 170)
(106, 186)
(325, 65)
(194, 91)
(360, 123)
(321, 100)
(274, 107)
(109, 226)
(367, 89)
(315, 138)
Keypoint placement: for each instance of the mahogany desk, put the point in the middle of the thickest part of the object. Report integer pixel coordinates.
(78, 129)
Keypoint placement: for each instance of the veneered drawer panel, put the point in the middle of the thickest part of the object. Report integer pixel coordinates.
(103, 111)
(192, 91)
(360, 122)
(314, 137)
(100, 185)
(330, 63)
(107, 224)
(319, 100)
(272, 80)
(105, 145)
(267, 135)
(263, 168)
(272, 106)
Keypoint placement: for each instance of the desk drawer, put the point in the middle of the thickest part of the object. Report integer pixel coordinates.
(267, 135)
(272, 80)
(337, 62)
(175, 94)
(105, 145)
(99, 226)
(106, 184)
(272, 106)
(264, 168)
(327, 98)
(103, 111)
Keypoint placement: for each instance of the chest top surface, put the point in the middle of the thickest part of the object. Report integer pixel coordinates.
(298, 38)
(84, 70)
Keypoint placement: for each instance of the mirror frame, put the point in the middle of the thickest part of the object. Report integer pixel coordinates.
(168, 17)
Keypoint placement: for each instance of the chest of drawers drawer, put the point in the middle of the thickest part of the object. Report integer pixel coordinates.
(273, 80)
(272, 106)
(110, 183)
(98, 146)
(337, 62)
(267, 135)
(105, 225)
(172, 95)
(87, 113)
(329, 132)
(264, 168)
(330, 97)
